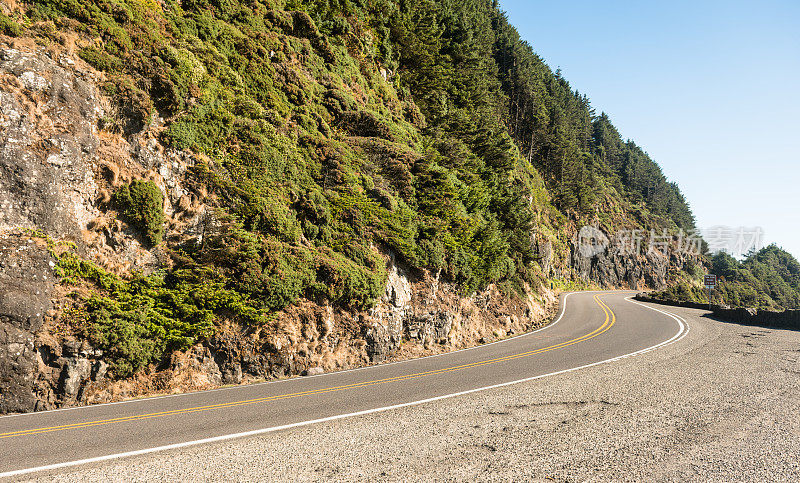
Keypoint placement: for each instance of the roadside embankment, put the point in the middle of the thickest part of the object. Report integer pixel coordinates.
(787, 319)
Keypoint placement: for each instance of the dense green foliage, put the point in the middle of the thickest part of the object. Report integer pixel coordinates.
(765, 279)
(137, 321)
(142, 203)
(682, 291)
(768, 279)
(9, 27)
(334, 128)
(275, 274)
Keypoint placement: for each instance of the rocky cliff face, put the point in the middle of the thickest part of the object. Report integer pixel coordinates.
(26, 285)
(613, 260)
(614, 267)
(48, 144)
(57, 169)
(41, 367)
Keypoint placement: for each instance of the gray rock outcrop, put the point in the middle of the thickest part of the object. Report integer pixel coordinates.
(613, 265)
(48, 117)
(76, 371)
(26, 282)
(399, 317)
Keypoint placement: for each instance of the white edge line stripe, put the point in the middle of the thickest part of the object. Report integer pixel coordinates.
(684, 329)
(373, 366)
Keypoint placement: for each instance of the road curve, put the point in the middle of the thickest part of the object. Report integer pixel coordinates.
(592, 328)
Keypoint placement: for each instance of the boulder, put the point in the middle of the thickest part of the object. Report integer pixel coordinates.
(430, 327)
(75, 373)
(17, 365)
(231, 373)
(312, 371)
(99, 371)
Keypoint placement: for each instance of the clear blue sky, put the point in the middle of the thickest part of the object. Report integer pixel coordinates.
(710, 89)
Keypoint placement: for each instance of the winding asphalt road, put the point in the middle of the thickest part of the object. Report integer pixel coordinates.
(592, 328)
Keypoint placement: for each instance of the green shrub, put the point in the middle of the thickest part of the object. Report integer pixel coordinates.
(146, 318)
(355, 281)
(141, 321)
(682, 292)
(72, 269)
(135, 108)
(129, 339)
(8, 26)
(142, 203)
(100, 60)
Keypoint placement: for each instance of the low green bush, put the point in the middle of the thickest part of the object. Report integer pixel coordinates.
(100, 60)
(8, 26)
(682, 291)
(142, 204)
(141, 321)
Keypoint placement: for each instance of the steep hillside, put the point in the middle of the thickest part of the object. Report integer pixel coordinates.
(225, 191)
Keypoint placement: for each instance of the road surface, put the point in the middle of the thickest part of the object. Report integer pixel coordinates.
(592, 328)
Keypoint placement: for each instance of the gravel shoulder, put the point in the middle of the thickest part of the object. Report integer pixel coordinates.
(720, 404)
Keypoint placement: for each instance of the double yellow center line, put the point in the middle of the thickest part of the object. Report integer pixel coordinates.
(609, 322)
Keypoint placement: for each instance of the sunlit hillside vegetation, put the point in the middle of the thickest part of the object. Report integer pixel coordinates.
(331, 128)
